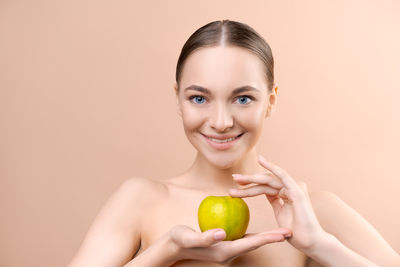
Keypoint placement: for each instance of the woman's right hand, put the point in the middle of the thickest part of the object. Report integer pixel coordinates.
(208, 246)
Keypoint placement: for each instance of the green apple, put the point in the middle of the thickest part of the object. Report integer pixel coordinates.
(229, 213)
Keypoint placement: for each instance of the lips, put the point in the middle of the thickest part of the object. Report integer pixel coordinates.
(222, 137)
(224, 145)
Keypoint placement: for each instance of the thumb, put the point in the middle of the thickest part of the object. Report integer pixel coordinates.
(211, 236)
(204, 239)
(186, 237)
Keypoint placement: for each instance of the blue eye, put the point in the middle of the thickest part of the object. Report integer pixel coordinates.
(197, 97)
(242, 99)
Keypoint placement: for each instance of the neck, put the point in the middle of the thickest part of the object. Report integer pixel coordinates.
(206, 176)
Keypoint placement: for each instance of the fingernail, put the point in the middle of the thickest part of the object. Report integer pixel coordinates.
(219, 235)
(236, 175)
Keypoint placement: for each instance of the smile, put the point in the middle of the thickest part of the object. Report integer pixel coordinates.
(222, 141)
(222, 144)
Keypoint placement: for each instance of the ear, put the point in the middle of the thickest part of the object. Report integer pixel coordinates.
(178, 108)
(271, 101)
(176, 88)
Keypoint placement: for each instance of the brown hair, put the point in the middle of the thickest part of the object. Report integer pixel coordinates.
(231, 33)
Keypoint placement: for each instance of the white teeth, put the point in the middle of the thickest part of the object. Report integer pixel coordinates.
(222, 141)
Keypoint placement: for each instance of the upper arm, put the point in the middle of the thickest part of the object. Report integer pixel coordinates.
(355, 232)
(114, 236)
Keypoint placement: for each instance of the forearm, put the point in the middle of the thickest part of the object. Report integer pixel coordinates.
(332, 253)
(160, 254)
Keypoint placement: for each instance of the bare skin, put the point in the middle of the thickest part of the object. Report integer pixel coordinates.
(154, 223)
(219, 113)
(181, 200)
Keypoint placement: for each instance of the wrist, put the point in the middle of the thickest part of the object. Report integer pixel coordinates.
(172, 251)
(323, 243)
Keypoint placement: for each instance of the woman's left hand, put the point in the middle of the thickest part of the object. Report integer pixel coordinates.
(290, 201)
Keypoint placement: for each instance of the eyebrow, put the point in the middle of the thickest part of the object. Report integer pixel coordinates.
(238, 90)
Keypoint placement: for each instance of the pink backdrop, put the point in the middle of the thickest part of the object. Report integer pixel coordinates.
(87, 101)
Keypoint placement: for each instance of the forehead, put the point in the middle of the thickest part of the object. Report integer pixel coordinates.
(223, 67)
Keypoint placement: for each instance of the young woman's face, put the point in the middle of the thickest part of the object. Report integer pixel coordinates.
(223, 94)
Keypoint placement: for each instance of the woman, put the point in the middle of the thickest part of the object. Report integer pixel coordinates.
(225, 90)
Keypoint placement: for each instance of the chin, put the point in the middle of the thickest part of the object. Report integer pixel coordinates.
(222, 160)
(221, 163)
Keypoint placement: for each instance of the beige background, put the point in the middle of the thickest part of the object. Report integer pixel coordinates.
(87, 101)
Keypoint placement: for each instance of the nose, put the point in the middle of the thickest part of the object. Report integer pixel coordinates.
(221, 118)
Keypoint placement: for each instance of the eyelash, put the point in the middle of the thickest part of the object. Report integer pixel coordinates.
(194, 96)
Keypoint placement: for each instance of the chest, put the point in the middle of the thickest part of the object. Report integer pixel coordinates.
(160, 218)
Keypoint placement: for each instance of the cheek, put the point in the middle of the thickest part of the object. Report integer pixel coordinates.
(251, 119)
(191, 118)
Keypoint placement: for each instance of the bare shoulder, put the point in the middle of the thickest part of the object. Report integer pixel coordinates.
(137, 182)
(114, 236)
(143, 189)
(351, 228)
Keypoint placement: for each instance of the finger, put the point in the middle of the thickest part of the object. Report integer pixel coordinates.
(283, 194)
(275, 203)
(209, 237)
(231, 249)
(260, 178)
(242, 182)
(253, 242)
(287, 181)
(253, 191)
(281, 231)
(188, 238)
